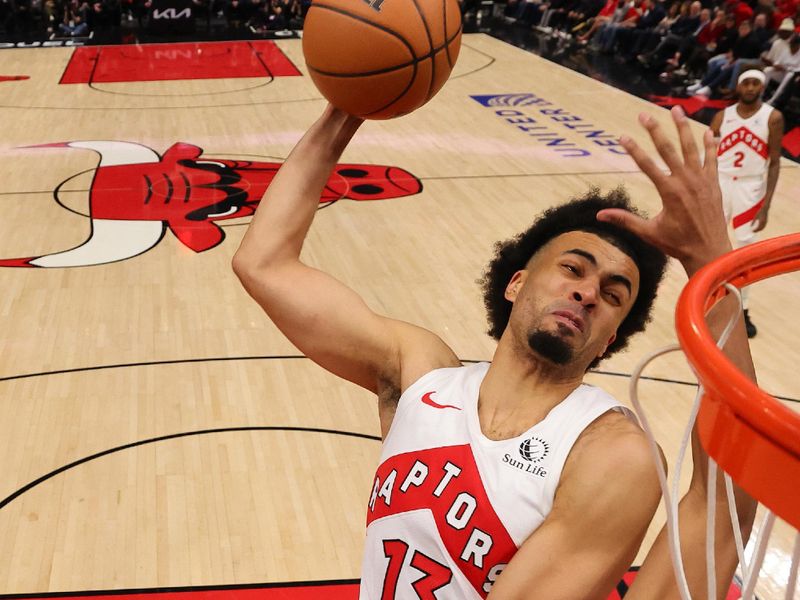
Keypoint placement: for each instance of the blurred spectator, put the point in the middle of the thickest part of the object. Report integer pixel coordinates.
(74, 22)
(606, 39)
(784, 9)
(762, 29)
(761, 36)
(258, 16)
(694, 51)
(740, 9)
(234, 12)
(722, 42)
(613, 11)
(278, 18)
(686, 25)
(778, 50)
(582, 12)
(104, 14)
(51, 16)
(644, 35)
(721, 66)
(783, 70)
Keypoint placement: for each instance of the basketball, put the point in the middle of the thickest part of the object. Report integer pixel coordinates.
(379, 59)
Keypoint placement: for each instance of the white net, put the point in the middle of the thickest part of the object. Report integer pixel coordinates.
(749, 569)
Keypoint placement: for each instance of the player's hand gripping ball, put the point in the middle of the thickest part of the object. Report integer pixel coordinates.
(379, 59)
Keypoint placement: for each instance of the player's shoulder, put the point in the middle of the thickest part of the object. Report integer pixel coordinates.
(612, 448)
(775, 117)
(614, 439)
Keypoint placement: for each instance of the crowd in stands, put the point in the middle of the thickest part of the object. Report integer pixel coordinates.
(702, 44)
(77, 18)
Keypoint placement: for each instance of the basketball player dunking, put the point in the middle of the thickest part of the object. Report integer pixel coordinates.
(510, 479)
(749, 160)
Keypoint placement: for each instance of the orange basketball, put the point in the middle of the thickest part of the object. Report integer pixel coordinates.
(379, 59)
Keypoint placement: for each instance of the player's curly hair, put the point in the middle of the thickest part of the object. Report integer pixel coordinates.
(579, 214)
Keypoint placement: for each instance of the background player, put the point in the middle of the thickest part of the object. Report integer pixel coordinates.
(437, 519)
(750, 133)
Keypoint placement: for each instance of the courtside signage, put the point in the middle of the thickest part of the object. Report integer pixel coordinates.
(44, 44)
(548, 124)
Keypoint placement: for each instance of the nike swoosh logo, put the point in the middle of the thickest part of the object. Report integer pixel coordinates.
(426, 399)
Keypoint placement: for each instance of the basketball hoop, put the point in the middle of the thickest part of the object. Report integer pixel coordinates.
(744, 430)
(752, 436)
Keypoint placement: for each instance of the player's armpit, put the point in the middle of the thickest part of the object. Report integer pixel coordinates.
(334, 327)
(607, 496)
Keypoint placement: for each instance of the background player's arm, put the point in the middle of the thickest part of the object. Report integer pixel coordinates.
(775, 142)
(691, 228)
(325, 319)
(716, 123)
(605, 500)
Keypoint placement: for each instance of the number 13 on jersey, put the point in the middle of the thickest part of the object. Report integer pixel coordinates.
(433, 575)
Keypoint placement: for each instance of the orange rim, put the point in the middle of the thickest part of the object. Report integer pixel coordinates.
(731, 400)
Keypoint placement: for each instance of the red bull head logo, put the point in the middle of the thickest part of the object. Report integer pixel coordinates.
(137, 195)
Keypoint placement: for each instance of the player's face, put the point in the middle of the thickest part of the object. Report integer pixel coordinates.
(749, 90)
(571, 298)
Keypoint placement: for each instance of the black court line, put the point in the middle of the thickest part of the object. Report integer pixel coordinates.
(150, 364)
(519, 175)
(491, 58)
(27, 193)
(94, 87)
(179, 589)
(301, 357)
(6, 501)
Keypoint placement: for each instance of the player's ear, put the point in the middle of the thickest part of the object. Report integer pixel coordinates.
(608, 343)
(514, 286)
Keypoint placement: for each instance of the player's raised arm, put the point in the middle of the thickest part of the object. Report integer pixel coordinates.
(691, 228)
(324, 318)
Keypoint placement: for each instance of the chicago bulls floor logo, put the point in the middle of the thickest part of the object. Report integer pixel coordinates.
(137, 195)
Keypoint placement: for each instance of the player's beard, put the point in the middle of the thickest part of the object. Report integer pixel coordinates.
(551, 346)
(750, 101)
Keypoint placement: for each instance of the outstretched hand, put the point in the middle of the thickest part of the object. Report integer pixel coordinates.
(691, 226)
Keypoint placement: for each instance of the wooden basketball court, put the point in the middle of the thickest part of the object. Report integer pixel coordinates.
(156, 430)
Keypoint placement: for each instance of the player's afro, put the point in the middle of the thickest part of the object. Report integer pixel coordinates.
(579, 214)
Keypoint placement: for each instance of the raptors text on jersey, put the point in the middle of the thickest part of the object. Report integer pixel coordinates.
(449, 507)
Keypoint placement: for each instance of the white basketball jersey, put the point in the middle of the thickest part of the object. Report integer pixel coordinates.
(744, 143)
(449, 507)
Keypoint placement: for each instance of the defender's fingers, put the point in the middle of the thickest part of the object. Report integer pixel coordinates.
(710, 160)
(664, 147)
(644, 161)
(691, 157)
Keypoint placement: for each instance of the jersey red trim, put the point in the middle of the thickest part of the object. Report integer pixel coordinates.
(747, 215)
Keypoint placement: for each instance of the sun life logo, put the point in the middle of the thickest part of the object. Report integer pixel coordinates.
(534, 449)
